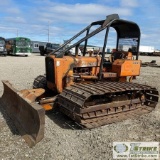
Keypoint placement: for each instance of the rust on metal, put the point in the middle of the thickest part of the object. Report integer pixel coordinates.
(28, 117)
(47, 106)
(101, 103)
(31, 94)
(48, 103)
(109, 105)
(47, 100)
(88, 77)
(109, 74)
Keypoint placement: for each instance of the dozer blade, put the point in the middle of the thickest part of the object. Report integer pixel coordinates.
(28, 117)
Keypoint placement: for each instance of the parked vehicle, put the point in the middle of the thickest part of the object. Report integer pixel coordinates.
(19, 46)
(146, 50)
(3, 46)
(49, 48)
(90, 90)
(35, 46)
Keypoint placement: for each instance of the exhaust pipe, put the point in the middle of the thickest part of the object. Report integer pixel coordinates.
(26, 114)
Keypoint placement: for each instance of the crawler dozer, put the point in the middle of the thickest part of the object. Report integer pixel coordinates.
(92, 89)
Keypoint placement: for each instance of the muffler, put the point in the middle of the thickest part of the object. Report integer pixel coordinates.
(26, 114)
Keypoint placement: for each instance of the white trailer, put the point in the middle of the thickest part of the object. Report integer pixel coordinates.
(146, 50)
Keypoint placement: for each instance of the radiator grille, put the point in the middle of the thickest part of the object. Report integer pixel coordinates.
(50, 73)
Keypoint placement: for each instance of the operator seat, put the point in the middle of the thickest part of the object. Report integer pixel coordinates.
(121, 55)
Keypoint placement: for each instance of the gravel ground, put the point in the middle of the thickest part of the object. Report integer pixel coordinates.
(61, 142)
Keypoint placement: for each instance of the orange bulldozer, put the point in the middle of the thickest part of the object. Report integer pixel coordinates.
(91, 89)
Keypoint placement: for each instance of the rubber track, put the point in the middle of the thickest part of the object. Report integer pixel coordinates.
(72, 101)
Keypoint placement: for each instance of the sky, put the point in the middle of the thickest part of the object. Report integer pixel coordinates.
(62, 19)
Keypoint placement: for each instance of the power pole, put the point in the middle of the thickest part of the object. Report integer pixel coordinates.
(48, 31)
(17, 32)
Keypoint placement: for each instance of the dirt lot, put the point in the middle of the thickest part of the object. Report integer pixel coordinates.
(60, 141)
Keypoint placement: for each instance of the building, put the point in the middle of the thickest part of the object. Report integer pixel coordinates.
(35, 46)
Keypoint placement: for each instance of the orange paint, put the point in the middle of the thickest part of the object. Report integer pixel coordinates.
(47, 107)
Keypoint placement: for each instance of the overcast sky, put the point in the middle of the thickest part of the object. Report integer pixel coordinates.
(31, 18)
